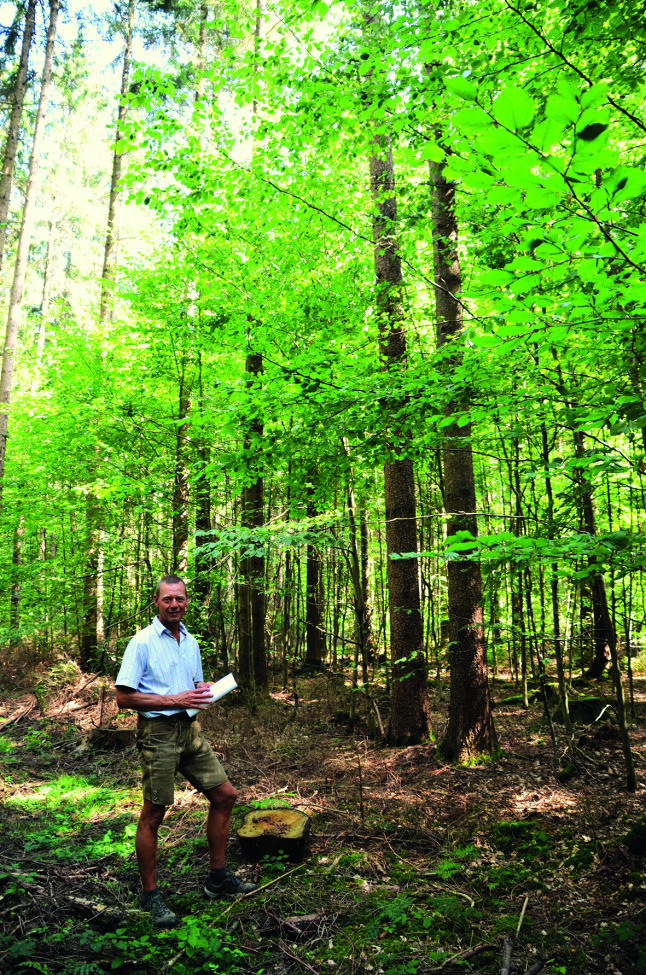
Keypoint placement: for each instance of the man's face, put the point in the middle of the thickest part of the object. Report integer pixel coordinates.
(171, 603)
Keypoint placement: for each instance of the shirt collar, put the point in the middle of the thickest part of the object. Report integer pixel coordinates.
(160, 628)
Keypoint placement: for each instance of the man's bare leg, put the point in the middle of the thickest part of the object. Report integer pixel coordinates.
(221, 802)
(150, 820)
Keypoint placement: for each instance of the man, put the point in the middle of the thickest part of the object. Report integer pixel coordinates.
(161, 678)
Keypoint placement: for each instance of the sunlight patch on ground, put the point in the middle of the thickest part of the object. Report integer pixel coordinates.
(88, 800)
(537, 800)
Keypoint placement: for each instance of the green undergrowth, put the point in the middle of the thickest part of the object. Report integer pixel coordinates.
(386, 895)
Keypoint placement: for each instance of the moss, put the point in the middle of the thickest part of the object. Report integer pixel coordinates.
(583, 710)
(566, 773)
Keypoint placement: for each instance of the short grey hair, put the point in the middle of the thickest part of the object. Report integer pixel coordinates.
(170, 581)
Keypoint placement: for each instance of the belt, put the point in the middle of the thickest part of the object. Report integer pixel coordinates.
(182, 716)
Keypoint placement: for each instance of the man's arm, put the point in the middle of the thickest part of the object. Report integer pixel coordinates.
(131, 700)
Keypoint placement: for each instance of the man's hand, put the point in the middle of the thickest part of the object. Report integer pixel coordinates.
(130, 700)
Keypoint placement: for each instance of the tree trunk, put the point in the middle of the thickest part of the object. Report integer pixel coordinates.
(410, 720)
(554, 589)
(110, 249)
(252, 659)
(202, 586)
(313, 578)
(44, 306)
(22, 255)
(470, 731)
(16, 586)
(93, 635)
(365, 584)
(600, 606)
(11, 145)
(180, 483)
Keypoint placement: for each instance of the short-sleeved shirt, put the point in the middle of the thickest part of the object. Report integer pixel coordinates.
(155, 663)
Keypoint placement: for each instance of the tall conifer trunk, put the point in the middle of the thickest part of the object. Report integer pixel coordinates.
(470, 730)
(410, 717)
(11, 144)
(26, 229)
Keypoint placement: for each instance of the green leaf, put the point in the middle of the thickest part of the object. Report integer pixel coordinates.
(472, 119)
(514, 108)
(541, 199)
(504, 194)
(431, 150)
(462, 88)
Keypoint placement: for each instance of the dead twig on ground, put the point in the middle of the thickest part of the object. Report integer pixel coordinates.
(506, 956)
(294, 924)
(460, 957)
(299, 960)
(535, 969)
(20, 714)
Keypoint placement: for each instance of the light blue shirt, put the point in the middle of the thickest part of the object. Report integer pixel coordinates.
(155, 663)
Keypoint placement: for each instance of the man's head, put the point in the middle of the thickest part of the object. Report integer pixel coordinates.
(171, 600)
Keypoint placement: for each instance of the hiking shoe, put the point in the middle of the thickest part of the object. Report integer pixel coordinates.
(162, 916)
(229, 886)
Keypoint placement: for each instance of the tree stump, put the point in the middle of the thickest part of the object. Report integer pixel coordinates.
(271, 832)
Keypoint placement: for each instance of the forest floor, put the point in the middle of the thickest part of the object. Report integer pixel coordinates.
(412, 867)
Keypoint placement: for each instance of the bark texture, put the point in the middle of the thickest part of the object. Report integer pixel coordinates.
(252, 657)
(313, 594)
(110, 249)
(410, 720)
(470, 730)
(26, 229)
(13, 129)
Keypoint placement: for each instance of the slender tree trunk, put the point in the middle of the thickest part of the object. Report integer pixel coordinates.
(470, 730)
(554, 588)
(202, 586)
(365, 584)
(93, 635)
(410, 720)
(253, 660)
(110, 249)
(313, 574)
(44, 306)
(600, 604)
(180, 484)
(16, 586)
(11, 144)
(24, 240)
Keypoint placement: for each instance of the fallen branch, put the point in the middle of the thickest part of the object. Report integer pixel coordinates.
(535, 969)
(18, 715)
(456, 891)
(506, 956)
(94, 908)
(299, 960)
(293, 924)
(460, 957)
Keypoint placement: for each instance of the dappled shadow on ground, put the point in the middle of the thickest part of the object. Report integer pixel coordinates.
(410, 862)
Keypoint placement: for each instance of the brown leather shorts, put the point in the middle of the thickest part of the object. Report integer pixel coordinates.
(170, 745)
